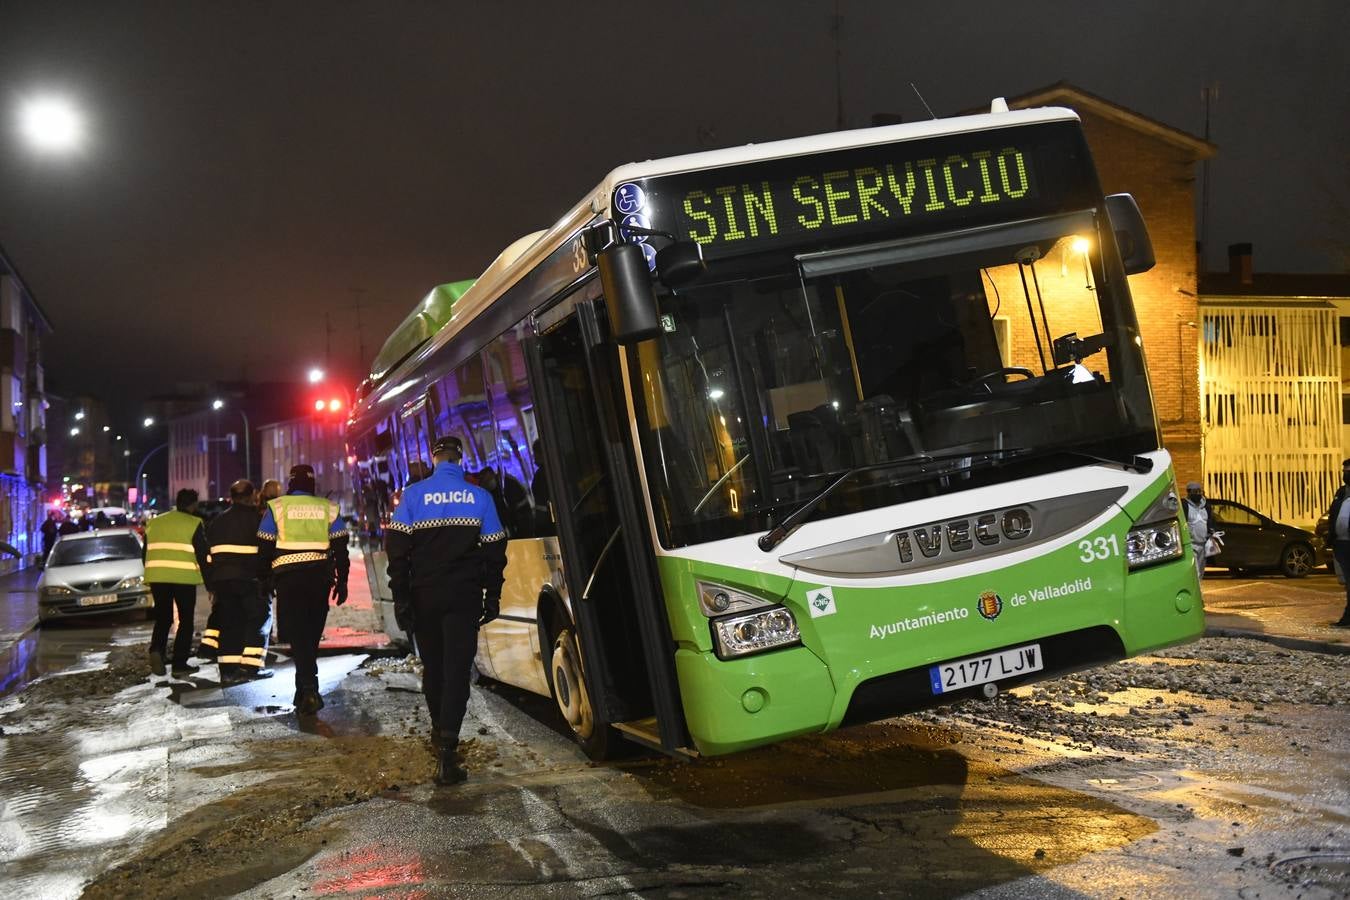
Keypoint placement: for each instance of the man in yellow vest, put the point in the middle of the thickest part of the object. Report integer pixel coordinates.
(175, 555)
(304, 543)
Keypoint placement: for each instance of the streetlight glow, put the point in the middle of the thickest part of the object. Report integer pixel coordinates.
(217, 404)
(107, 428)
(74, 432)
(315, 375)
(149, 420)
(51, 124)
(79, 415)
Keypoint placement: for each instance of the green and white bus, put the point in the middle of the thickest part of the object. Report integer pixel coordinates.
(803, 434)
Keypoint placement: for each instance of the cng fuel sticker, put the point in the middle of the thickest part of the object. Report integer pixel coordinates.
(821, 602)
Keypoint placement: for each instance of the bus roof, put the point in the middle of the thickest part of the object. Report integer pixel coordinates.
(524, 254)
(823, 143)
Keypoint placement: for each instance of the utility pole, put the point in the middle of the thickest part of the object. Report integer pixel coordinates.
(837, 31)
(360, 330)
(1209, 95)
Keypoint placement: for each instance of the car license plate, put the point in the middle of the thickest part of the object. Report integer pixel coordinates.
(962, 673)
(98, 600)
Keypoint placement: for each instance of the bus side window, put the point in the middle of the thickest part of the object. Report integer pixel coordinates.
(508, 393)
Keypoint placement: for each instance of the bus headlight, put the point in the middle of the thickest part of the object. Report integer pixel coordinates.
(767, 629)
(1151, 544)
(1156, 538)
(718, 599)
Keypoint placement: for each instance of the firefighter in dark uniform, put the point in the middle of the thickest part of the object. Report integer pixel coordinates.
(447, 555)
(233, 575)
(304, 546)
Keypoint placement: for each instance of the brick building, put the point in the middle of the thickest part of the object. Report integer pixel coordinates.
(1157, 164)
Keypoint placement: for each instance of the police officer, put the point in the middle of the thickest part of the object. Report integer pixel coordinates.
(304, 544)
(447, 553)
(233, 570)
(175, 557)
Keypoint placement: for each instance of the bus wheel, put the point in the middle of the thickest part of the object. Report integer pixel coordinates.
(574, 700)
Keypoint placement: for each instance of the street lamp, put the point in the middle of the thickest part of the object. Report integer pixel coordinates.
(218, 405)
(52, 124)
(315, 375)
(149, 421)
(79, 415)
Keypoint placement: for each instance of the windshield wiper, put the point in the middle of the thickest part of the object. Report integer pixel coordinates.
(775, 536)
(1132, 463)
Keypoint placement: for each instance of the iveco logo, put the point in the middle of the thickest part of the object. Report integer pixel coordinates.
(964, 535)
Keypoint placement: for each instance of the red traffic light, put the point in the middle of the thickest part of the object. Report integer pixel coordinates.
(331, 405)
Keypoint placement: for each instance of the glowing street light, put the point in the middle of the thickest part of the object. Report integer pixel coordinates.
(149, 421)
(74, 432)
(79, 415)
(315, 375)
(217, 404)
(107, 428)
(52, 124)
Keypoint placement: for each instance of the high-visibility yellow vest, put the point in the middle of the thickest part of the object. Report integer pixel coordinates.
(302, 522)
(169, 557)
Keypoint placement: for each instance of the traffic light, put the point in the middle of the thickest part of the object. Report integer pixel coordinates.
(328, 406)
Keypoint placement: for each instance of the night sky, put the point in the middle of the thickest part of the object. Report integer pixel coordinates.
(253, 166)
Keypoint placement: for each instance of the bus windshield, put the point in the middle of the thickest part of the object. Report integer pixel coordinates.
(764, 388)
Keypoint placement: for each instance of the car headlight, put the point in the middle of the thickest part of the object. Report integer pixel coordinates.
(134, 581)
(767, 629)
(56, 590)
(1156, 537)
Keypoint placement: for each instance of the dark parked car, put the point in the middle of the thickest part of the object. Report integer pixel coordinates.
(1253, 542)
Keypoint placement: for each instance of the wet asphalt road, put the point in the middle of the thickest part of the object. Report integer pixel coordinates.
(1193, 775)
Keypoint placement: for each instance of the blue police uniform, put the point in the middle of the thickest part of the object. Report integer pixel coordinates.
(447, 556)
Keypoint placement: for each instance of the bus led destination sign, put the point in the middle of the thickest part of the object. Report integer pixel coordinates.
(821, 201)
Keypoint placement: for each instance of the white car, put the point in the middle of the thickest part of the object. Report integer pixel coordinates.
(93, 572)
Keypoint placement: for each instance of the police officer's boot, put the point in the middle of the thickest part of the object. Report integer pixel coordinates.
(448, 768)
(308, 701)
(157, 662)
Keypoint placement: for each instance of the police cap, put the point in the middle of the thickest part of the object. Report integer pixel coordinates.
(448, 444)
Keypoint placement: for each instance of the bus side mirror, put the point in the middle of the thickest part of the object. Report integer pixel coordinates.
(1136, 250)
(627, 284)
(680, 263)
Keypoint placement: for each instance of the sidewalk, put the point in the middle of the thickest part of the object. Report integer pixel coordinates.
(18, 605)
(354, 625)
(1295, 612)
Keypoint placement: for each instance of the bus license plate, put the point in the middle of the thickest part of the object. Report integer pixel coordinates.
(962, 673)
(98, 600)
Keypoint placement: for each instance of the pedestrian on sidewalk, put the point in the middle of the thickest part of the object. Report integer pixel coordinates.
(304, 545)
(175, 556)
(1339, 519)
(234, 575)
(50, 529)
(447, 553)
(1200, 520)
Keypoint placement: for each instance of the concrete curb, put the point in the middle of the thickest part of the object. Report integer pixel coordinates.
(1279, 640)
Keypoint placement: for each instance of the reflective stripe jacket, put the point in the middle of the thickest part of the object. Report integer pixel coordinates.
(175, 549)
(445, 532)
(301, 531)
(233, 543)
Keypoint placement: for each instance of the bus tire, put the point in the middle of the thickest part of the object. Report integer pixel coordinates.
(572, 698)
(1297, 560)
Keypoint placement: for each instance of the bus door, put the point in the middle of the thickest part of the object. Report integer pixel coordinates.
(594, 503)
